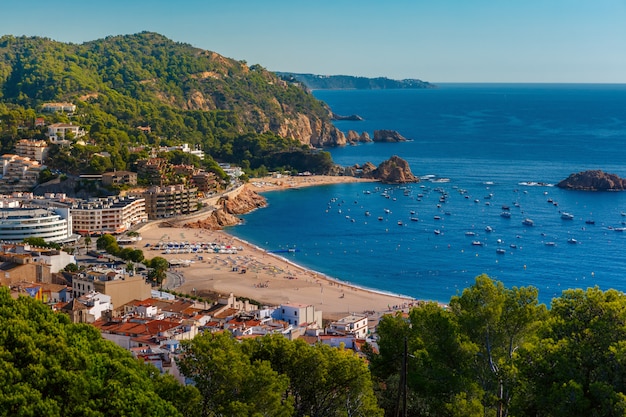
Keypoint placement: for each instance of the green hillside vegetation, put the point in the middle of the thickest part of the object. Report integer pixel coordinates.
(184, 94)
(349, 82)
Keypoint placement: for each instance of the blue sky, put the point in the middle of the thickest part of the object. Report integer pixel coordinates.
(433, 40)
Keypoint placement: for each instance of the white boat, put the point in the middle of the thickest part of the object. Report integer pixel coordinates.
(572, 240)
(550, 244)
(567, 216)
(505, 214)
(477, 243)
(437, 231)
(488, 229)
(500, 251)
(414, 219)
(470, 233)
(528, 222)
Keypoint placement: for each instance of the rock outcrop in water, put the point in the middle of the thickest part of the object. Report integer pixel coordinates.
(388, 136)
(594, 180)
(395, 170)
(352, 137)
(352, 117)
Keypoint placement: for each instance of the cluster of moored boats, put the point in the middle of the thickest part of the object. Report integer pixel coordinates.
(442, 198)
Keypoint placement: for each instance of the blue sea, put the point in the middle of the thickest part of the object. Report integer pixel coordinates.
(481, 149)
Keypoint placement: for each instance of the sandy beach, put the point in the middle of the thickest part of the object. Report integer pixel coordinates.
(252, 272)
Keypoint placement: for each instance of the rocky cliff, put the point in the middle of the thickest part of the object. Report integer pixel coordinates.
(228, 208)
(311, 130)
(395, 170)
(594, 180)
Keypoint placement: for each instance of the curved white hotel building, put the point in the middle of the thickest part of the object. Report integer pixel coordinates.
(52, 224)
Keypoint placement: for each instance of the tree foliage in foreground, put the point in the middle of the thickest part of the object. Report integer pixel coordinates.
(50, 367)
(498, 352)
(273, 376)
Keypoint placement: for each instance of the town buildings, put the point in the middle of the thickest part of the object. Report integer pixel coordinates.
(18, 173)
(299, 314)
(57, 132)
(119, 178)
(108, 215)
(350, 325)
(23, 263)
(59, 107)
(52, 224)
(169, 201)
(120, 286)
(35, 150)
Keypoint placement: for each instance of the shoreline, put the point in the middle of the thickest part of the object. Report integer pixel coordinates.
(261, 275)
(321, 274)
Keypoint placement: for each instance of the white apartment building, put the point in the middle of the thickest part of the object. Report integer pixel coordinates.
(54, 107)
(52, 224)
(299, 314)
(355, 325)
(108, 215)
(96, 304)
(58, 131)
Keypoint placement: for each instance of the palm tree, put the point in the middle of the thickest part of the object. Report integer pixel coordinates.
(87, 243)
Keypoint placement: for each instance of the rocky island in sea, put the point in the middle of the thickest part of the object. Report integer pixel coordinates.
(593, 180)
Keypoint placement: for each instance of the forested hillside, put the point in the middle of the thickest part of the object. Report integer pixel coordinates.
(234, 112)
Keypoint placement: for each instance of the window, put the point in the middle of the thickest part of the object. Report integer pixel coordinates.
(295, 313)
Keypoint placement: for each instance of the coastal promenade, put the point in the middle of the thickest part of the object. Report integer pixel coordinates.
(255, 273)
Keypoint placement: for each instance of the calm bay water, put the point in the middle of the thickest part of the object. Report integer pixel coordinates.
(482, 147)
